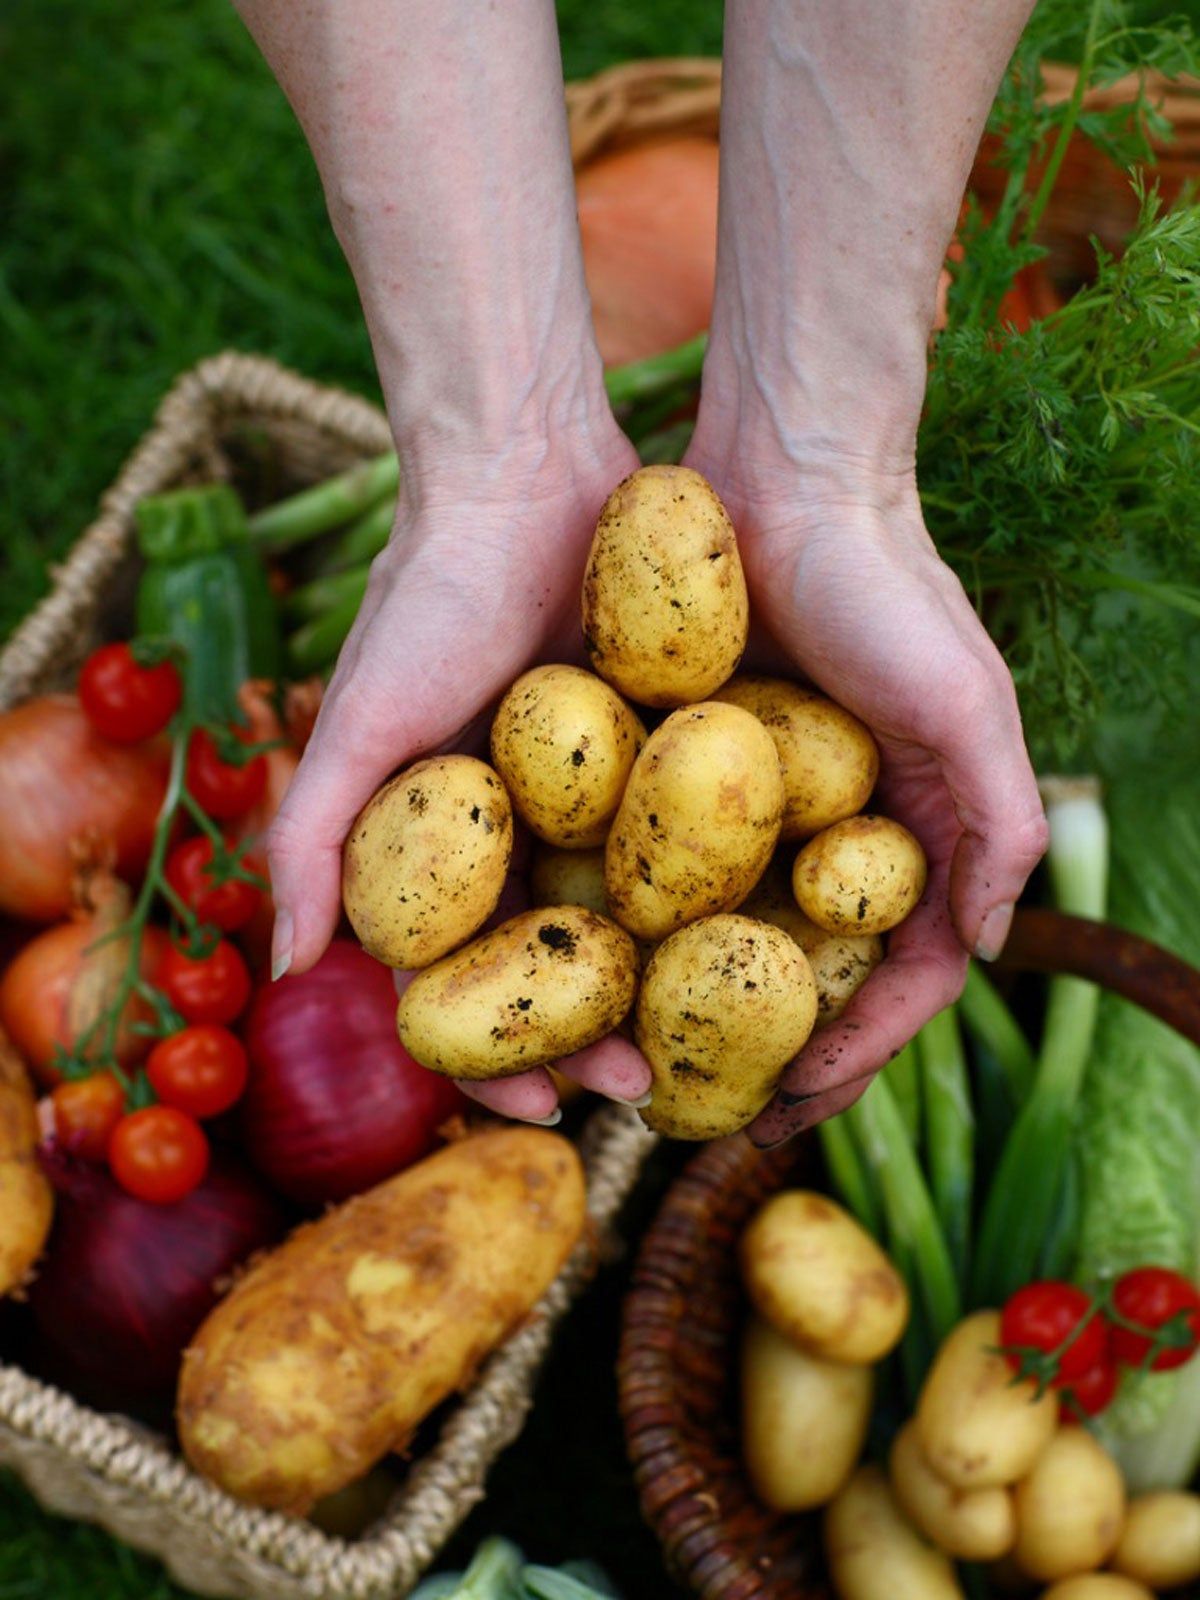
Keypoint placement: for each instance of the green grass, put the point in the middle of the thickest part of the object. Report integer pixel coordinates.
(160, 205)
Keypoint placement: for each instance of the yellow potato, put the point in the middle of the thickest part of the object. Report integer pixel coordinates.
(860, 876)
(1070, 1508)
(564, 743)
(969, 1524)
(841, 962)
(1097, 1586)
(569, 878)
(875, 1554)
(541, 986)
(698, 821)
(977, 1429)
(725, 1004)
(665, 611)
(425, 861)
(330, 1350)
(1160, 1544)
(26, 1198)
(829, 759)
(803, 1420)
(817, 1276)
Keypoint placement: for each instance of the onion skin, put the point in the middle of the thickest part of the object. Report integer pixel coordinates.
(65, 790)
(335, 1104)
(36, 994)
(124, 1285)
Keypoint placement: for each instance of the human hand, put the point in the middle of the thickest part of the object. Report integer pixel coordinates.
(480, 580)
(846, 586)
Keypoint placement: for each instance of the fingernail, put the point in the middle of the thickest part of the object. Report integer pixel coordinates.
(551, 1121)
(787, 1098)
(642, 1100)
(994, 931)
(760, 1143)
(281, 945)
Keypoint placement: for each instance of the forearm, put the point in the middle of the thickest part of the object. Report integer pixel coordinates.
(439, 131)
(847, 134)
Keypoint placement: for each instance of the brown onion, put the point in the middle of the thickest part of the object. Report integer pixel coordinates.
(67, 794)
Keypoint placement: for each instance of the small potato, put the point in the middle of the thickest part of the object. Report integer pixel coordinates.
(26, 1198)
(977, 1429)
(1070, 1509)
(564, 743)
(698, 821)
(569, 878)
(725, 1004)
(540, 986)
(829, 759)
(969, 1524)
(1096, 1586)
(665, 610)
(1160, 1545)
(821, 1280)
(425, 861)
(803, 1420)
(875, 1554)
(841, 962)
(329, 1351)
(860, 876)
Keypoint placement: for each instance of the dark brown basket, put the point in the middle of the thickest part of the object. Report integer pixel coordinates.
(678, 1361)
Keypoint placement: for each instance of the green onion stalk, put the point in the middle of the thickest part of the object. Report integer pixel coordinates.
(1032, 1182)
(949, 1130)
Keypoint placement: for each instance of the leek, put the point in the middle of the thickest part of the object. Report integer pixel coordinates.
(949, 1130)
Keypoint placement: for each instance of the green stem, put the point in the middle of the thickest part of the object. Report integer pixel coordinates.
(643, 380)
(325, 594)
(1070, 118)
(989, 1020)
(316, 644)
(903, 1076)
(849, 1174)
(949, 1130)
(326, 505)
(361, 541)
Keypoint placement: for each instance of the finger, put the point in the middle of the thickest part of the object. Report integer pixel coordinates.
(818, 1108)
(529, 1097)
(923, 973)
(613, 1068)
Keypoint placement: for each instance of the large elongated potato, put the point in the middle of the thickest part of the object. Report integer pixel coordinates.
(860, 876)
(540, 986)
(424, 863)
(875, 1554)
(977, 1428)
(1070, 1508)
(26, 1198)
(330, 1350)
(698, 821)
(829, 759)
(817, 1276)
(1160, 1543)
(803, 1420)
(665, 611)
(969, 1524)
(564, 742)
(725, 1003)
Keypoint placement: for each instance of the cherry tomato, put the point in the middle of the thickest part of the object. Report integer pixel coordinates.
(213, 988)
(221, 789)
(228, 905)
(1152, 1297)
(126, 702)
(158, 1154)
(1092, 1393)
(201, 1070)
(1040, 1317)
(86, 1110)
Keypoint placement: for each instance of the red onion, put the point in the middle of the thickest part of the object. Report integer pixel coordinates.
(335, 1103)
(124, 1285)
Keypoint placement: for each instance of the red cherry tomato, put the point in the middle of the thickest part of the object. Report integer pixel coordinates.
(201, 1070)
(1154, 1297)
(126, 702)
(1040, 1317)
(212, 988)
(1092, 1393)
(86, 1110)
(228, 905)
(158, 1154)
(220, 788)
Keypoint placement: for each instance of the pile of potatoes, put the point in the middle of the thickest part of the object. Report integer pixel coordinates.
(712, 880)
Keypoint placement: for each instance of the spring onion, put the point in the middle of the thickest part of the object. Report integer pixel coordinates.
(949, 1130)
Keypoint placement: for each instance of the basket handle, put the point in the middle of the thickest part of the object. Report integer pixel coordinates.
(1043, 940)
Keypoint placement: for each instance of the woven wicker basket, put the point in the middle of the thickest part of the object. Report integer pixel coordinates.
(102, 1468)
(684, 1311)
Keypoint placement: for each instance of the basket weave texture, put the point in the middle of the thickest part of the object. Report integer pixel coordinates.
(102, 1468)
